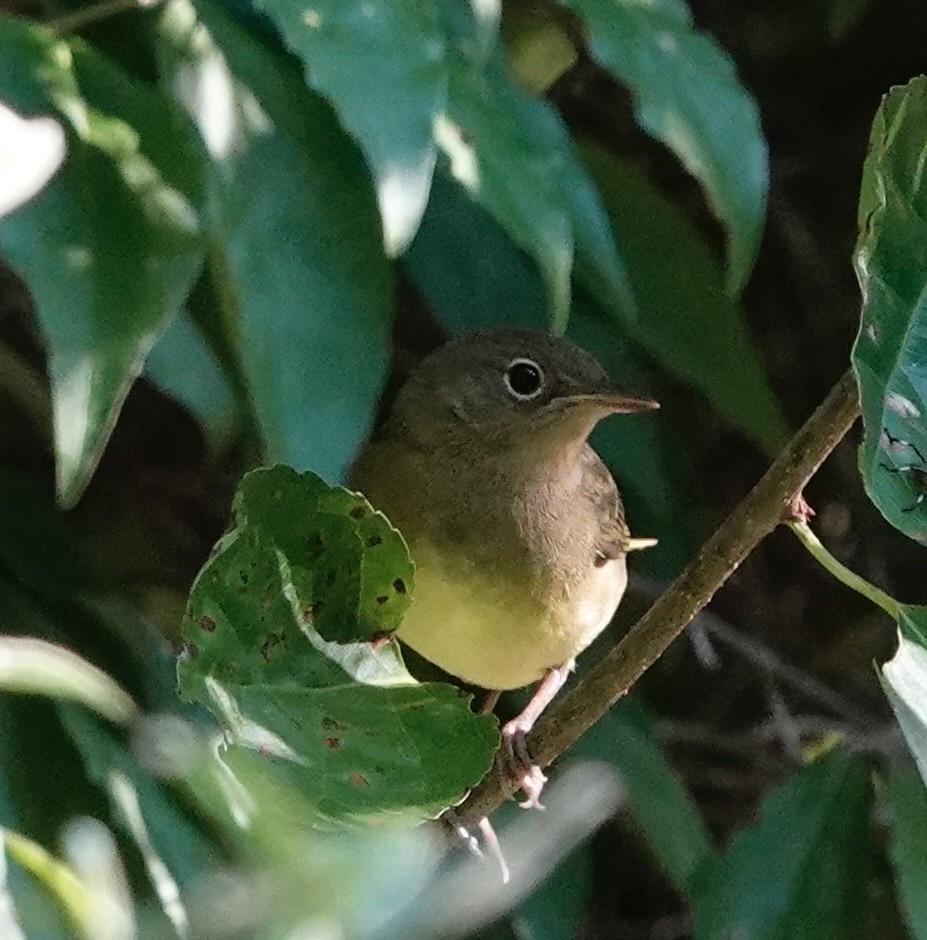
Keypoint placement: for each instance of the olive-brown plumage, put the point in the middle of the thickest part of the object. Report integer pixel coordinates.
(515, 525)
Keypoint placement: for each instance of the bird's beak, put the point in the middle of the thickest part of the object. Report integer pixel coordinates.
(607, 403)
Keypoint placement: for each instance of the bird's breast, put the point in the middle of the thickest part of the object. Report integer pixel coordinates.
(502, 633)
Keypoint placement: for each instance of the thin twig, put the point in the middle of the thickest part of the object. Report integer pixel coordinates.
(759, 513)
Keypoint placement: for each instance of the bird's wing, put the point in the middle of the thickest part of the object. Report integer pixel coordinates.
(612, 540)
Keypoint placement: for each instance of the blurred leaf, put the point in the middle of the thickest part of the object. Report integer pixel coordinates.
(661, 805)
(907, 800)
(9, 919)
(555, 908)
(343, 721)
(548, 205)
(30, 153)
(904, 679)
(890, 350)
(55, 875)
(183, 366)
(36, 667)
(799, 871)
(384, 68)
(164, 134)
(688, 96)
(175, 852)
(299, 264)
(685, 319)
(108, 249)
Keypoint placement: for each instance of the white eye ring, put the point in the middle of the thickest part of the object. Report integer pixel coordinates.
(519, 377)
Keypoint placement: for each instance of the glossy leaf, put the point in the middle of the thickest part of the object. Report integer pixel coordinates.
(299, 265)
(687, 95)
(658, 801)
(549, 206)
(304, 566)
(907, 800)
(799, 871)
(891, 348)
(109, 248)
(904, 679)
(384, 68)
(183, 366)
(685, 320)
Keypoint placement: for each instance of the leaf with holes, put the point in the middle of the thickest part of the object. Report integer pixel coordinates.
(287, 643)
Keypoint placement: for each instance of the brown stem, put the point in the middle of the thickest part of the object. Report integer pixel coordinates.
(760, 512)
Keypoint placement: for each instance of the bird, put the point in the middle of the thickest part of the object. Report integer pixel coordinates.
(514, 523)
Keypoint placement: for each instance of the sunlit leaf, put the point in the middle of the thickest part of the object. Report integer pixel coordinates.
(307, 564)
(108, 249)
(384, 68)
(904, 679)
(37, 667)
(299, 265)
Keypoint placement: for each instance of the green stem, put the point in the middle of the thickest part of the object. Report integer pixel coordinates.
(843, 574)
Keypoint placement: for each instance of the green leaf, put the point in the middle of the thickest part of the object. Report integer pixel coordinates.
(685, 319)
(555, 908)
(658, 800)
(72, 895)
(313, 297)
(298, 263)
(108, 249)
(384, 68)
(469, 269)
(183, 366)
(511, 151)
(890, 350)
(36, 667)
(799, 872)
(305, 565)
(904, 680)
(176, 854)
(907, 800)
(687, 95)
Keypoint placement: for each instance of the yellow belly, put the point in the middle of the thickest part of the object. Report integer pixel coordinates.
(489, 632)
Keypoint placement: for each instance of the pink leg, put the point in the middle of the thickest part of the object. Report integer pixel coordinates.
(516, 762)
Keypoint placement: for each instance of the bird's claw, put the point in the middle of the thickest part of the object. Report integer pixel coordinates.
(517, 766)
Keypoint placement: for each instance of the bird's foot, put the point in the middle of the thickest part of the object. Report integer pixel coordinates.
(472, 844)
(516, 765)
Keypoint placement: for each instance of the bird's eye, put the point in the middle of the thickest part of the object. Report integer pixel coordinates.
(524, 379)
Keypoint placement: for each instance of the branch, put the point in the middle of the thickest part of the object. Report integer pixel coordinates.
(770, 501)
